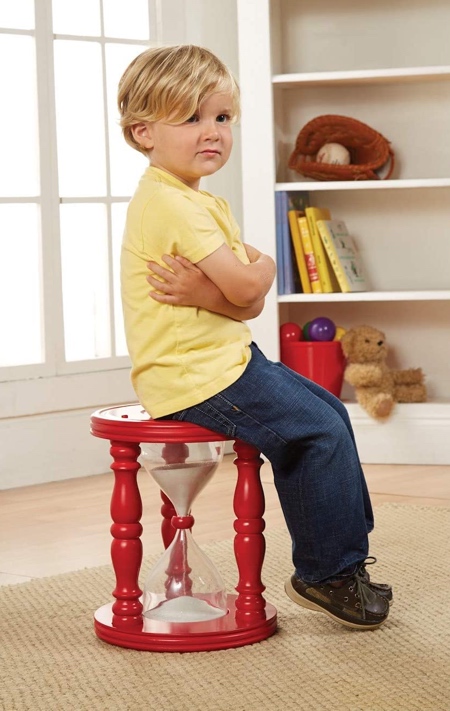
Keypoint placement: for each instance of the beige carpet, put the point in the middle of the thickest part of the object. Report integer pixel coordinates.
(51, 660)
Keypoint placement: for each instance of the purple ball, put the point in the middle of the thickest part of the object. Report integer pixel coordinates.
(322, 329)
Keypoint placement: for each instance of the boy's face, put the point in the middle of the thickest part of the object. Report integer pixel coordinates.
(196, 148)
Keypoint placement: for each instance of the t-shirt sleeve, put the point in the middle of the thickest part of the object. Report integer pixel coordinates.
(177, 225)
(235, 230)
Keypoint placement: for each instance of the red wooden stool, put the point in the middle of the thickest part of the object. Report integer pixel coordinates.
(249, 618)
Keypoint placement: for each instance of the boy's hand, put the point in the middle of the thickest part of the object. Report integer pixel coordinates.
(182, 284)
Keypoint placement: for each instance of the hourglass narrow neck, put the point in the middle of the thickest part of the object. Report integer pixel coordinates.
(182, 522)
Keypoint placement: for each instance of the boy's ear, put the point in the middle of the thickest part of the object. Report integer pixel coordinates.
(142, 134)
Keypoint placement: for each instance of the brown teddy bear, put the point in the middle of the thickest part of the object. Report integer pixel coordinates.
(378, 387)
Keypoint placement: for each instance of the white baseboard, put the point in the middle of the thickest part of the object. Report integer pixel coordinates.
(414, 434)
(50, 447)
(58, 446)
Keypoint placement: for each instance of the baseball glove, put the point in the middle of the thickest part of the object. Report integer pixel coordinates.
(369, 150)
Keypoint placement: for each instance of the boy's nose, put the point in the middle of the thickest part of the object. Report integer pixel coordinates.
(211, 132)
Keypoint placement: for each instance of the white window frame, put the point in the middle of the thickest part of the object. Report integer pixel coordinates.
(49, 201)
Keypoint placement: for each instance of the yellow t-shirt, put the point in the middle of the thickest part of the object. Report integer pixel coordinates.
(181, 355)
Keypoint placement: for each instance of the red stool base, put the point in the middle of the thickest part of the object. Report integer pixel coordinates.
(252, 619)
(156, 636)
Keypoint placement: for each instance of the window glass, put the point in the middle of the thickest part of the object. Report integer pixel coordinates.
(80, 119)
(19, 140)
(77, 18)
(18, 15)
(85, 276)
(127, 165)
(21, 321)
(126, 20)
(87, 167)
(118, 214)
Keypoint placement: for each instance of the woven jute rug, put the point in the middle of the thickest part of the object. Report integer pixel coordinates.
(52, 661)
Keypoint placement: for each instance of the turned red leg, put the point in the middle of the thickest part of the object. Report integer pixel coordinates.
(126, 547)
(249, 542)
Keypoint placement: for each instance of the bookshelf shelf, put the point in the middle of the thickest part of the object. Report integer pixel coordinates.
(437, 295)
(410, 184)
(301, 60)
(363, 76)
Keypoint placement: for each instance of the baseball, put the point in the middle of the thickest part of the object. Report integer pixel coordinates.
(333, 153)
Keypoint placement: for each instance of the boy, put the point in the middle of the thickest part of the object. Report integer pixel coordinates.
(192, 354)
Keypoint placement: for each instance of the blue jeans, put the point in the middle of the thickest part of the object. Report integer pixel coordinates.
(305, 433)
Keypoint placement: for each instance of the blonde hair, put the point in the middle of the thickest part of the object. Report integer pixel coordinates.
(169, 84)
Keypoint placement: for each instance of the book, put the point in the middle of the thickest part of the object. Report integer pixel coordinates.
(279, 247)
(312, 215)
(293, 216)
(309, 255)
(288, 277)
(343, 255)
(298, 200)
(286, 245)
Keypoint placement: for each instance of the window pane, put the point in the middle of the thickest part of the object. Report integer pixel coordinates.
(21, 320)
(118, 213)
(76, 18)
(127, 20)
(17, 15)
(19, 141)
(80, 119)
(84, 257)
(127, 165)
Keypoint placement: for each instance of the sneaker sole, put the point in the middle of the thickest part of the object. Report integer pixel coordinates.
(309, 605)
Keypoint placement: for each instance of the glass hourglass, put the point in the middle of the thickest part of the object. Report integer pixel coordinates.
(184, 585)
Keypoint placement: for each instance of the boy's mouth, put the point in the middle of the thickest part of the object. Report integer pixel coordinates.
(210, 152)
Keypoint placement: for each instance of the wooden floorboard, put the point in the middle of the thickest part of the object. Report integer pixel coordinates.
(62, 526)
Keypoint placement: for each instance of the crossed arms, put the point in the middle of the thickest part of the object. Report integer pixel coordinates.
(220, 283)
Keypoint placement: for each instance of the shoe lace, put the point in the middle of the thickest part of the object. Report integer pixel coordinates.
(363, 592)
(361, 572)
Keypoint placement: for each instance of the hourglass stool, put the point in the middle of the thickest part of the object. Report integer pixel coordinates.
(246, 617)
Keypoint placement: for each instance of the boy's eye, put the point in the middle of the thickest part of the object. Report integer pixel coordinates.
(192, 119)
(223, 118)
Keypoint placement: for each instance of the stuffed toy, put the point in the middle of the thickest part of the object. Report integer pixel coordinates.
(377, 387)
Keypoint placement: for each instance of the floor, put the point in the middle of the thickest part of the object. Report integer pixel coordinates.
(63, 526)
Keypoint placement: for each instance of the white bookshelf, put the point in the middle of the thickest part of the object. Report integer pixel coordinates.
(365, 184)
(438, 295)
(388, 65)
(362, 76)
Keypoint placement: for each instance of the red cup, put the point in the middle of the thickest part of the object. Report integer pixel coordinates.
(320, 361)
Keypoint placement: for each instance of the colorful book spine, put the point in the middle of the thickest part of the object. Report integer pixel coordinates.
(286, 246)
(310, 259)
(279, 248)
(288, 275)
(293, 216)
(312, 215)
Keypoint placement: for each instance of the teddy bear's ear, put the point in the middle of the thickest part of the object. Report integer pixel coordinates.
(347, 342)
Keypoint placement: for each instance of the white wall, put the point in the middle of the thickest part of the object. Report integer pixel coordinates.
(213, 24)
